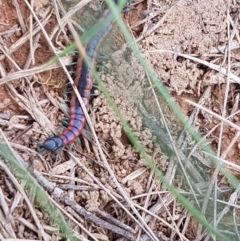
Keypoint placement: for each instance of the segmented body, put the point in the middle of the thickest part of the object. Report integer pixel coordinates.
(83, 81)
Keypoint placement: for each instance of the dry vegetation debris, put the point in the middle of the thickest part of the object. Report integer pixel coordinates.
(116, 197)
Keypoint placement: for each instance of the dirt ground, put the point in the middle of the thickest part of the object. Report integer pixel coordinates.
(191, 49)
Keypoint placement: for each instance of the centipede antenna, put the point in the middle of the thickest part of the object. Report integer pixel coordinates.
(31, 162)
(34, 140)
(39, 144)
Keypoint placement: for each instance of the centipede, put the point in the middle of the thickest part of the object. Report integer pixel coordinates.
(84, 81)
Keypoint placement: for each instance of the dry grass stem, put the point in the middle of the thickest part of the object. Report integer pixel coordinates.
(220, 69)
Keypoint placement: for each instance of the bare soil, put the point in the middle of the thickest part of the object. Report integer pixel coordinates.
(33, 107)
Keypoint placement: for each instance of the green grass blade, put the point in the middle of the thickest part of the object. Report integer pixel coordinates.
(36, 192)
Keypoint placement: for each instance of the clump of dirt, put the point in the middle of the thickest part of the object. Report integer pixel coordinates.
(194, 29)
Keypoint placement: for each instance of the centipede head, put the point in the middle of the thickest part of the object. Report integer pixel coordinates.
(51, 144)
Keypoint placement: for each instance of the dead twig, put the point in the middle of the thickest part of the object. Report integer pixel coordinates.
(20, 17)
(220, 69)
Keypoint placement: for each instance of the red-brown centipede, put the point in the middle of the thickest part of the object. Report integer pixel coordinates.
(83, 81)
